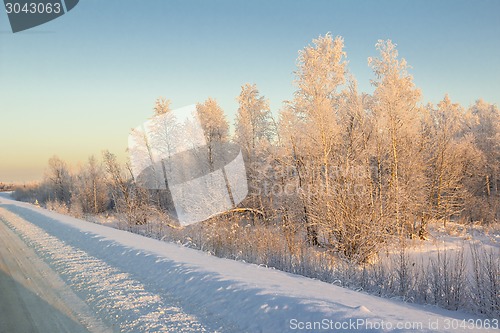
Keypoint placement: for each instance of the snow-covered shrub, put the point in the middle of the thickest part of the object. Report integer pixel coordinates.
(485, 281)
(447, 280)
(58, 207)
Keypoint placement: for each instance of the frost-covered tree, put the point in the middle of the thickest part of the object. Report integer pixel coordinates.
(162, 106)
(153, 144)
(128, 200)
(309, 123)
(60, 181)
(254, 132)
(448, 152)
(321, 72)
(483, 123)
(117, 180)
(355, 227)
(253, 119)
(90, 187)
(215, 126)
(396, 113)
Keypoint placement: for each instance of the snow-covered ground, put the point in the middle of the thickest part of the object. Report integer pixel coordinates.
(137, 284)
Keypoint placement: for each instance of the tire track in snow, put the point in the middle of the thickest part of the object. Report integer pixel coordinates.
(116, 296)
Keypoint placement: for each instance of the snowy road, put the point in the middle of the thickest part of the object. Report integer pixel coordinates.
(122, 301)
(75, 276)
(33, 297)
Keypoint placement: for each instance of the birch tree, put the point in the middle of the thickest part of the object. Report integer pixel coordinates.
(447, 160)
(91, 191)
(483, 123)
(253, 120)
(321, 69)
(215, 127)
(59, 178)
(254, 131)
(396, 110)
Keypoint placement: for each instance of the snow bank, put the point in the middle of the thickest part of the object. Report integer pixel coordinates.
(209, 293)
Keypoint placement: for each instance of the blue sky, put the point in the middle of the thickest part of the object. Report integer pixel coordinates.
(76, 85)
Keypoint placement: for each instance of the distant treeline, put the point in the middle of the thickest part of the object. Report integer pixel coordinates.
(6, 187)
